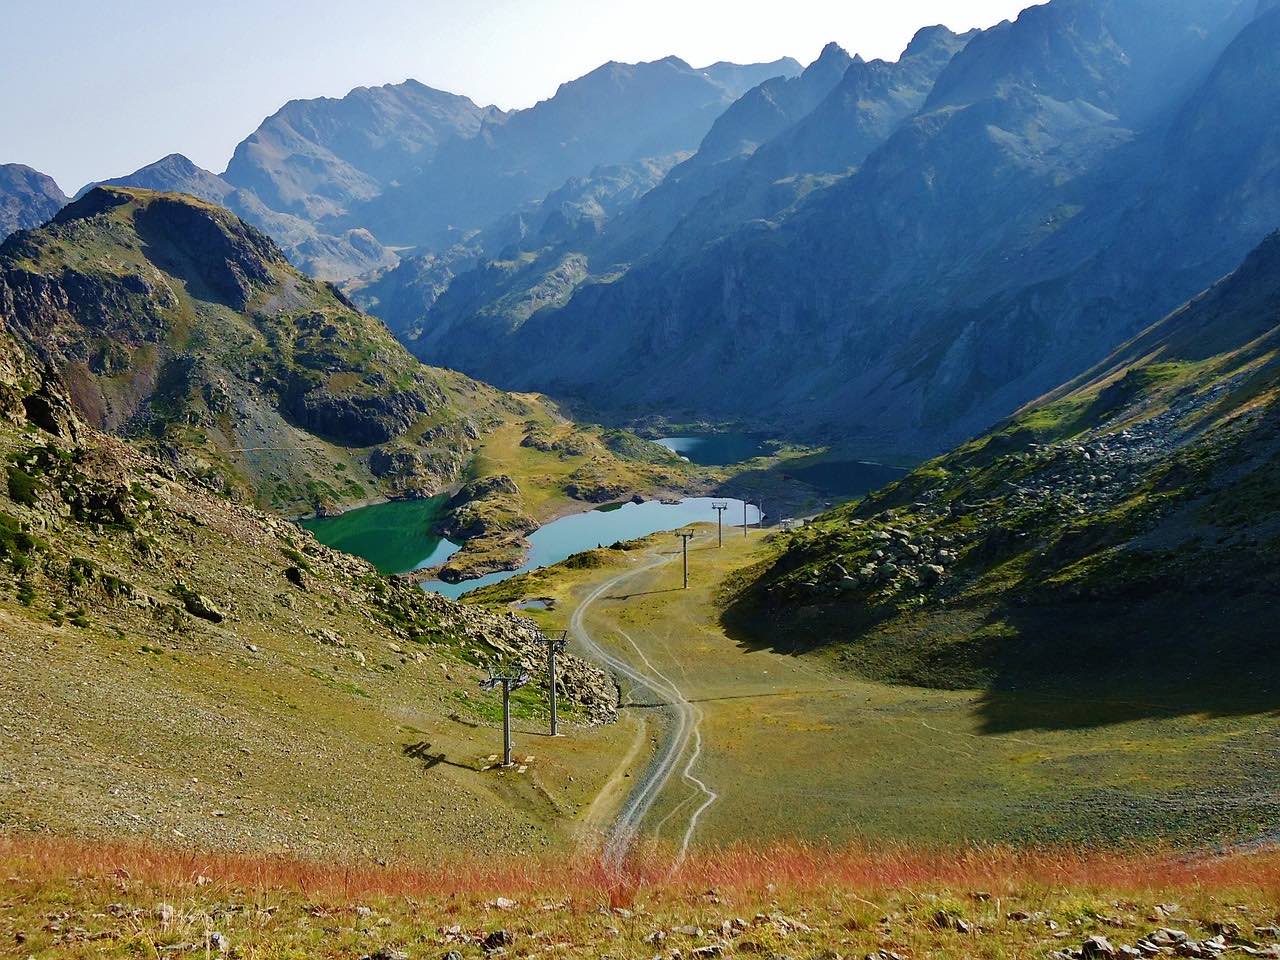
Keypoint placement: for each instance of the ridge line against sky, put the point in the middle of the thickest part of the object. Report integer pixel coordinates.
(97, 90)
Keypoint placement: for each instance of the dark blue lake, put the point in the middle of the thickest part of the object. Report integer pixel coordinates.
(717, 449)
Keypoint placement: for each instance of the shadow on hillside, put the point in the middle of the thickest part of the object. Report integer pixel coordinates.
(422, 751)
(1069, 667)
(805, 484)
(641, 593)
(1064, 708)
(1167, 655)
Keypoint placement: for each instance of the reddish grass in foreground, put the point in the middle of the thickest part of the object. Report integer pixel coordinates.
(786, 866)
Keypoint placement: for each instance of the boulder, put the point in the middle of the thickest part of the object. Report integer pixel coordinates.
(197, 604)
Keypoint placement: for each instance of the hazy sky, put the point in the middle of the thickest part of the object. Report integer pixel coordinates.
(91, 89)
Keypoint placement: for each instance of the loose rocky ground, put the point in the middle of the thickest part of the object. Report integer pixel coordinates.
(774, 903)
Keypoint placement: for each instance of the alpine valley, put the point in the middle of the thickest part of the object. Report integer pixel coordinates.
(981, 342)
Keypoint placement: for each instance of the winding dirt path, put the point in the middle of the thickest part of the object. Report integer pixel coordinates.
(683, 730)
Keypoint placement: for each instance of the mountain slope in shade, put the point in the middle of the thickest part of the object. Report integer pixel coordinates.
(504, 269)
(617, 113)
(315, 158)
(324, 256)
(1119, 534)
(975, 258)
(759, 116)
(27, 198)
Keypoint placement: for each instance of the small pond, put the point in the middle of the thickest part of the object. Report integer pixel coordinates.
(599, 528)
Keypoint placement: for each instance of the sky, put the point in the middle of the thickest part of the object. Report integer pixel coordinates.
(91, 89)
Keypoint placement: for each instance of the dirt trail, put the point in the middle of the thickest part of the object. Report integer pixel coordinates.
(683, 730)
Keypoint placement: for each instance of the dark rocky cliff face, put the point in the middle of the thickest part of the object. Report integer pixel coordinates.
(219, 251)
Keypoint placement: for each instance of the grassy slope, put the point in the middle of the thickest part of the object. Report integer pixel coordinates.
(181, 667)
(59, 900)
(1119, 537)
(797, 748)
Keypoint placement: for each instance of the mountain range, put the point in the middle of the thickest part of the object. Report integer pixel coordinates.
(896, 254)
(338, 182)
(1065, 178)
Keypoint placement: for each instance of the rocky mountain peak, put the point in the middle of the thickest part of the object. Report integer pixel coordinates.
(832, 52)
(927, 39)
(27, 198)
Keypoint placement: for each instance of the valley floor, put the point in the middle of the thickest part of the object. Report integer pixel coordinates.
(748, 745)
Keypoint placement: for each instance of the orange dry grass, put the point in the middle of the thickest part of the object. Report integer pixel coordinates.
(791, 866)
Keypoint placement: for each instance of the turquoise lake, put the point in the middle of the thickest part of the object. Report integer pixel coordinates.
(394, 536)
(598, 528)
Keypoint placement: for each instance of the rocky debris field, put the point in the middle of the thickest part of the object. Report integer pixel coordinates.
(1169, 942)
(937, 547)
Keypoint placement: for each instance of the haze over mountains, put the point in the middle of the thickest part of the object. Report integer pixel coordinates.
(1068, 178)
(314, 174)
(896, 254)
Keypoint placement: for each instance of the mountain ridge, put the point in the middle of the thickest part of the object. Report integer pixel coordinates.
(956, 273)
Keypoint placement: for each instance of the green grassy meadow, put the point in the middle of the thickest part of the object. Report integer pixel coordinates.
(798, 747)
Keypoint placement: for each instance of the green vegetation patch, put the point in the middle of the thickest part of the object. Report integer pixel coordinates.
(16, 545)
(23, 486)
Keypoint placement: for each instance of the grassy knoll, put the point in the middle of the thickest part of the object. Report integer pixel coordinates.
(71, 900)
(796, 746)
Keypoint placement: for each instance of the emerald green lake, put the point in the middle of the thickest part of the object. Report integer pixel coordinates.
(395, 537)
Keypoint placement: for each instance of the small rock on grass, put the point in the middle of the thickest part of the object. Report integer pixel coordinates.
(498, 939)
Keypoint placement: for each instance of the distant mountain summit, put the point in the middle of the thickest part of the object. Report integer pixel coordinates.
(617, 113)
(315, 158)
(27, 198)
(172, 174)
